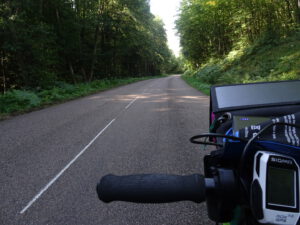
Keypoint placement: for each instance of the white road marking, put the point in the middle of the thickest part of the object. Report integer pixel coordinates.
(135, 99)
(73, 160)
(131, 103)
(64, 169)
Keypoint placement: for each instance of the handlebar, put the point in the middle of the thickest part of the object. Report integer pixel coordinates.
(152, 188)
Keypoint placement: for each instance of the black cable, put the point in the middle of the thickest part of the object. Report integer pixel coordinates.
(242, 158)
(217, 122)
(193, 139)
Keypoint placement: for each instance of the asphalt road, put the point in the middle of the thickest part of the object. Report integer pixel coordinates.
(51, 159)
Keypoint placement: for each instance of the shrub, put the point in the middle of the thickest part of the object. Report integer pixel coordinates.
(16, 100)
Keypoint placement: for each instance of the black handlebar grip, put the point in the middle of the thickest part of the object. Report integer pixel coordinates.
(152, 188)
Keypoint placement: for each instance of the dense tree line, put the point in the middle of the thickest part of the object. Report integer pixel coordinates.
(211, 28)
(44, 41)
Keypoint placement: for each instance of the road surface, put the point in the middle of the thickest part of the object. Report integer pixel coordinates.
(51, 159)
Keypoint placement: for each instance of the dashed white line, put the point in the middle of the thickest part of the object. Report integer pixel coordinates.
(72, 161)
(131, 103)
(64, 169)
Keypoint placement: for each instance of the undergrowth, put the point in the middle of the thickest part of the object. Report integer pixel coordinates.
(266, 60)
(18, 101)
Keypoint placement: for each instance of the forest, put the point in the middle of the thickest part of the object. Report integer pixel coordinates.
(56, 50)
(45, 42)
(234, 41)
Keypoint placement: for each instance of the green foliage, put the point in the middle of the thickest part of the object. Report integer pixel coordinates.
(206, 29)
(174, 66)
(43, 42)
(260, 62)
(19, 101)
(213, 28)
(240, 41)
(192, 79)
(210, 72)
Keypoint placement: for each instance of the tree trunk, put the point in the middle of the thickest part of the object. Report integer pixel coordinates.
(41, 8)
(288, 5)
(3, 75)
(72, 72)
(19, 57)
(94, 53)
(66, 57)
(84, 73)
(297, 11)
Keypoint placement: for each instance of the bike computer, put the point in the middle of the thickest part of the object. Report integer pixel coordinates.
(275, 189)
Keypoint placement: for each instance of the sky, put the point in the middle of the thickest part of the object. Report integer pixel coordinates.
(167, 11)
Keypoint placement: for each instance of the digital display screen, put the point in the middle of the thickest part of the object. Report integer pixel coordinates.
(240, 122)
(257, 94)
(281, 187)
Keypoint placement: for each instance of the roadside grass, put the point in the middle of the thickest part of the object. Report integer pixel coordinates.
(16, 102)
(264, 61)
(196, 83)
